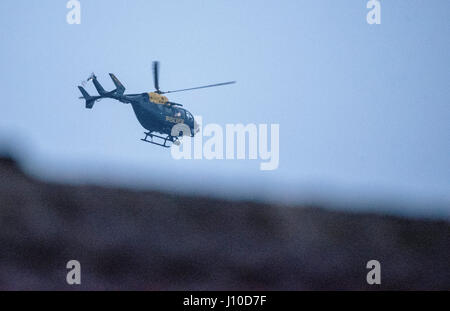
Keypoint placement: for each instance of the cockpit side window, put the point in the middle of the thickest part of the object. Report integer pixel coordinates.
(176, 113)
(181, 113)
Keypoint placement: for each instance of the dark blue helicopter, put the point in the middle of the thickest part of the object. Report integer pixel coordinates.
(153, 110)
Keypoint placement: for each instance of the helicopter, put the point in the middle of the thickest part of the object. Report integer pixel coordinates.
(153, 110)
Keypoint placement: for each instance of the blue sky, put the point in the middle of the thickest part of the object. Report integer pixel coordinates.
(363, 109)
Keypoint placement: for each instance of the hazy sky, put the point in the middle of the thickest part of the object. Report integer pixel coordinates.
(363, 109)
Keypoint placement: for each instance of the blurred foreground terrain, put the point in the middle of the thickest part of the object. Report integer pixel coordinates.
(160, 241)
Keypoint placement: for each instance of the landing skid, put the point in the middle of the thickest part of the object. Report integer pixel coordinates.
(166, 139)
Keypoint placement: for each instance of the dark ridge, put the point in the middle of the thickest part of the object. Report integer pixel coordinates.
(152, 240)
(7, 161)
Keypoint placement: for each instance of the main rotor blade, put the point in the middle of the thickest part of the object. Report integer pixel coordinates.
(200, 87)
(156, 75)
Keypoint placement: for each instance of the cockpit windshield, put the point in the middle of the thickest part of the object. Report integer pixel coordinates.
(189, 115)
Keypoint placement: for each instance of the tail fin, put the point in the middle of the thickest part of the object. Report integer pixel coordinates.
(98, 86)
(120, 89)
(90, 100)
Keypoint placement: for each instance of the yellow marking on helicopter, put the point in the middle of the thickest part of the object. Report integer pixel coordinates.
(174, 120)
(157, 98)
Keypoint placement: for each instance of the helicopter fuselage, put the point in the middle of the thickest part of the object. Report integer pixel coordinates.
(155, 114)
